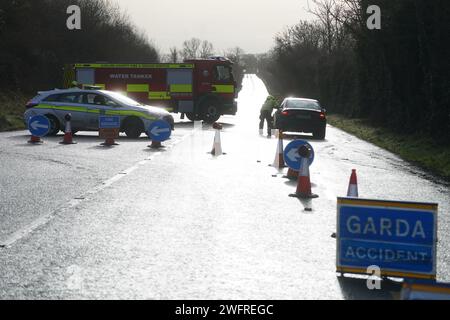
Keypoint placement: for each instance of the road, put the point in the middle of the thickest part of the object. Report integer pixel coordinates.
(87, 222)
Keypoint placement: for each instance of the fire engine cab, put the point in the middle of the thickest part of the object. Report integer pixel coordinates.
(202, 89)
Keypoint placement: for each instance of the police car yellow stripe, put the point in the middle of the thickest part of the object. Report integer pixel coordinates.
(129, 113)
(98, 111)
(62, 108)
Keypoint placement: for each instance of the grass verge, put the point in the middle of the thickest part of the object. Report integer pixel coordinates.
(12, 107)
(417, 149)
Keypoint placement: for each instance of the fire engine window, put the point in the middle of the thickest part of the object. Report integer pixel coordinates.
(179, 76)
(223, 73)
(86, 76)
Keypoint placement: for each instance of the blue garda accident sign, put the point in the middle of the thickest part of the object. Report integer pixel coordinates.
(398, 237)
(109, 122)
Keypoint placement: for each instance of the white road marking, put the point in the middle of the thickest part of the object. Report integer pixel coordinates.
(130, 170)
(42, 220)
(19, 234)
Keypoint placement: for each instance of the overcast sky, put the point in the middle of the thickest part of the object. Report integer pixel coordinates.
(249, 24)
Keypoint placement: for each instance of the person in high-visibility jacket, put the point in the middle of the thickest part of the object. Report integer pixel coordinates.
(267, 108)
(75, 85)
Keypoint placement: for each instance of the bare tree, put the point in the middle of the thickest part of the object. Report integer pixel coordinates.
(191, 48)
(234, 54)
(174, 55)
(330, 15)
(206, 50)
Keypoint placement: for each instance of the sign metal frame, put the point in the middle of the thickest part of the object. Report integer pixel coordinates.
(109, 129)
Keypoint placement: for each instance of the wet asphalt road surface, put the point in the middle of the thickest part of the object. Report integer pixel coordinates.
(83, 221)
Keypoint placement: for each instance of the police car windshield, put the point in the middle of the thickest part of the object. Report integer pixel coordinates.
(122, 99)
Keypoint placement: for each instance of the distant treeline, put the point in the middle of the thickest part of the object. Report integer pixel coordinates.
(35, 42)
(397, 77)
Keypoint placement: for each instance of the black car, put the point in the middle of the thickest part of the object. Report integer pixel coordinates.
(301, 115)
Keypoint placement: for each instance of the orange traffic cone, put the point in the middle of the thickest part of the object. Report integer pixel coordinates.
(155, 145)
(279, 157)
(109, 142)
(291, 174)
(353, 185)
(35, 140)
(68, 137)
(217, 145)
(304, 182)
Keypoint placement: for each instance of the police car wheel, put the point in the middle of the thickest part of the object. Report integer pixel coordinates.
(133, 128)
(54, 125)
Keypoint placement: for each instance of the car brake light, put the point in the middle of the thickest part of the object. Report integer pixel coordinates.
(322, 115)
(285, 113)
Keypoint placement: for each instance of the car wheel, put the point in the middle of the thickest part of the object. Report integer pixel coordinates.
(133, 128)
(210, 111)
(54, 125)
(320, 134)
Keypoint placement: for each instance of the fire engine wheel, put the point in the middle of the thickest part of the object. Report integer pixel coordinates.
(210, 111)
(192, 117)
(54, 125)
(133, 127)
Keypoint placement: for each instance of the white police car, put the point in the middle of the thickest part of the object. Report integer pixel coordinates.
(86, 106)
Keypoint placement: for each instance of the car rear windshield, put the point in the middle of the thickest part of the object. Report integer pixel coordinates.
(303, 104)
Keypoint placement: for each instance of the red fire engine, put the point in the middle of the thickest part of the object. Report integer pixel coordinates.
(200, 89)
